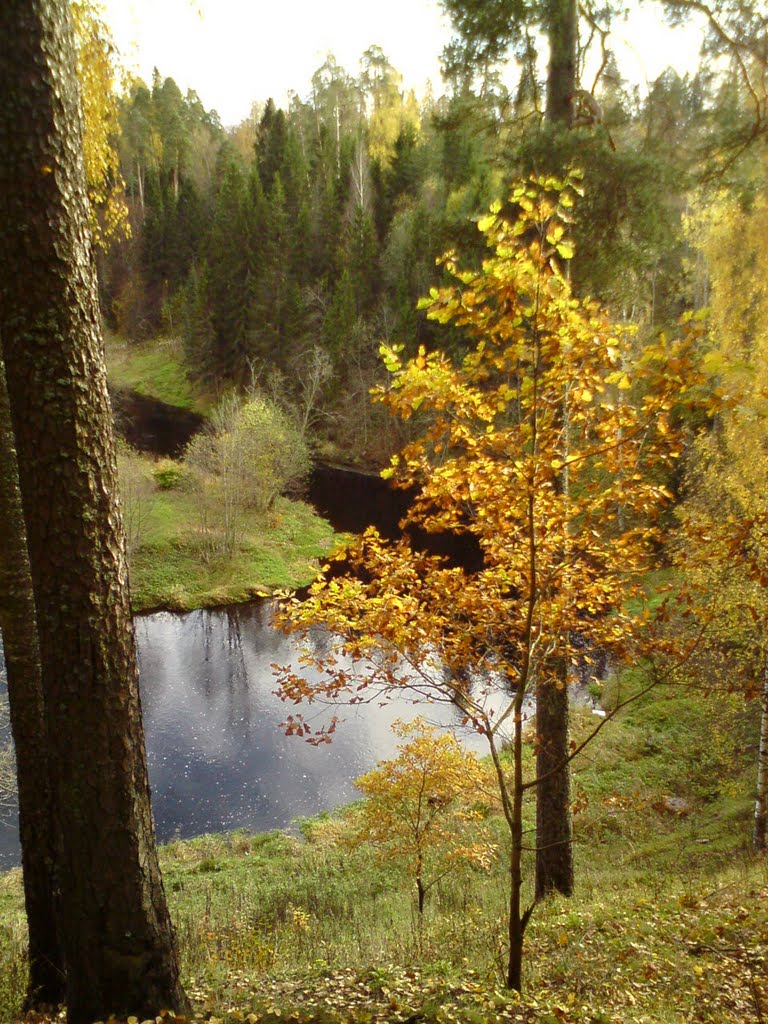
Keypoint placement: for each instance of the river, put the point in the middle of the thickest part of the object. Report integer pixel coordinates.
(217, 757)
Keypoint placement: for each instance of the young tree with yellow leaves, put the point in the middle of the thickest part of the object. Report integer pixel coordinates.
(723, 549)
(526, 446)
(424, 807)
(97, 73)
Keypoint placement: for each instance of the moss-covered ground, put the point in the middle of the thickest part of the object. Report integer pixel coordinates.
(669, 922)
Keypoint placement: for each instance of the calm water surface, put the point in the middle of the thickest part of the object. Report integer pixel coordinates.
(217, 757)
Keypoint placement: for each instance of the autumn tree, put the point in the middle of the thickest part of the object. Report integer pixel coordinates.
(389, 109)
(487, 32)
(722, 545)
(115, 931)
(423, 808)
(722, 551)
(251, 454)
(537, 396)
(97, 73)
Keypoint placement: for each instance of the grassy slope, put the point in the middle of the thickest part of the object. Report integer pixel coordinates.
(155, 369)
(169, 568)
(669, 924)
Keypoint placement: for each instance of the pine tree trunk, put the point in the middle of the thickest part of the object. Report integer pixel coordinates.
(25, 700)
(562, 31)
(759, 837)
(554, 847)
(115, 930)
(554, 850)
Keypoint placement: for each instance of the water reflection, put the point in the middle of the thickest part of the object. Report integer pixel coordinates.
(217, 757)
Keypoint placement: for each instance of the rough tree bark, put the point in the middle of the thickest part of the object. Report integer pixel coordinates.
(25, 700)
(115, 930)
(563, 33)
(554, 846)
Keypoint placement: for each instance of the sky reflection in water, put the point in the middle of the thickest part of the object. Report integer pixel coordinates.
(217, 757)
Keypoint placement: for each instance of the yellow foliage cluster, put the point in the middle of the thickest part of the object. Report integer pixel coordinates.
(97, 72)
(532, 445)
(546, 445)
(723, 547)
(419, 804)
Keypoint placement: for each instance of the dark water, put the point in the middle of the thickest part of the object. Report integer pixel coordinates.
(217, 757)
(152, 426)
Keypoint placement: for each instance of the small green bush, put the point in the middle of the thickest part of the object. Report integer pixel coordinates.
(169, 475)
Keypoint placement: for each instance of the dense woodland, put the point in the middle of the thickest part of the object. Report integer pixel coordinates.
(541, 308)
(288, 248)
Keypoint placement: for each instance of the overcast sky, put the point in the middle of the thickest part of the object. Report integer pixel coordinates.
(234, 52)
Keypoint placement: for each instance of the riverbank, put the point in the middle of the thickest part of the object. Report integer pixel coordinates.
(155, 369)
(172, 566)
(669, 922)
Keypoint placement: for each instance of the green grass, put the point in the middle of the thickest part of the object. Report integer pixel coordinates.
(154, 368)
(669, 922)
(170, 566)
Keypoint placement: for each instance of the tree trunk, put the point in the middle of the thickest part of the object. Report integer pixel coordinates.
(115, 930)
(562, 31)
(554, 851)
(554, 847)
(517, 919)
(761, 798)
(25, 700)
(140, 181)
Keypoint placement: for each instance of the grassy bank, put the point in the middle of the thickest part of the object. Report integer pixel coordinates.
(669, 922)
(171, 565)
(156, 369)
(171, 569)
(171, 559)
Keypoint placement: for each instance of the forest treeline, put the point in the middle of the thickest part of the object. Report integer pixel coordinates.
(288, 248)
(287, 254)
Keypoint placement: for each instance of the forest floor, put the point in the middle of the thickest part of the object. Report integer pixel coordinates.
(669, 922)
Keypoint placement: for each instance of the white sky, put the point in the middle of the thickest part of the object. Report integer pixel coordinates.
(234, 52)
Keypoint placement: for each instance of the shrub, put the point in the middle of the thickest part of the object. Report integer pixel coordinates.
(169, 474)
(252, 453)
